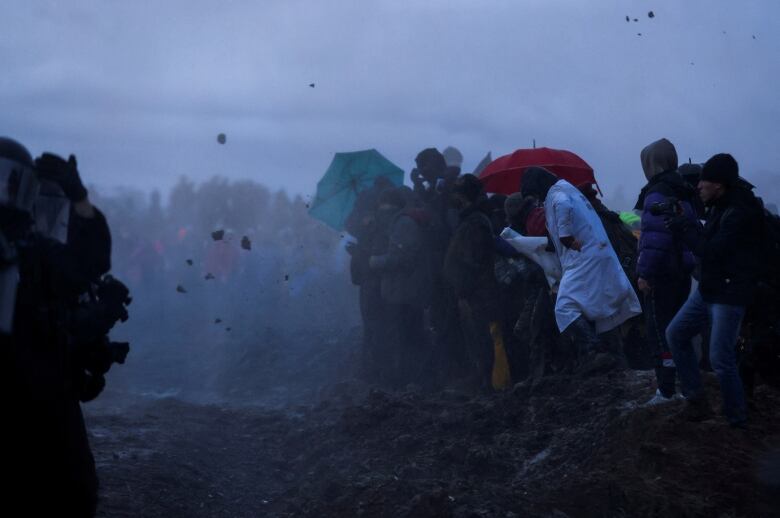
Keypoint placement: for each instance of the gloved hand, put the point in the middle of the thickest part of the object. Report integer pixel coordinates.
(115, 297)
(64, 173)
(686, 230)
(92, 387)
(677, 225)
(118, 351)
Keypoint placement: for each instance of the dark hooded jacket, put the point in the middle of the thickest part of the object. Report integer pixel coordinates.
(469, 267)
(405, 269)
(729, 248)
(662, 256)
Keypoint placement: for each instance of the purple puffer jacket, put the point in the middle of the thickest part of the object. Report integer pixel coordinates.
(661, 256)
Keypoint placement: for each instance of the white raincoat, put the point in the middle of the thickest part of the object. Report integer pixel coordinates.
(593, 282)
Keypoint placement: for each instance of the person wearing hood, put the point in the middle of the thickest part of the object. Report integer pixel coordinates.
(595, 296)
(665, 264)
(404, 269)
(431, 168)
(729, 250)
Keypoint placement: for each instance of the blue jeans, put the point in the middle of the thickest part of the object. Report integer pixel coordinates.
(725, 321)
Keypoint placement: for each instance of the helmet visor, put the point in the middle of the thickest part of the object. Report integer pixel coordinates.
(51, 212)
(18, 185)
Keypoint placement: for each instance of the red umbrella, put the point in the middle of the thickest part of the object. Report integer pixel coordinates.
(503, 174)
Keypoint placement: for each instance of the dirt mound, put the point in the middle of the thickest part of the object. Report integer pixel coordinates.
(561, 447)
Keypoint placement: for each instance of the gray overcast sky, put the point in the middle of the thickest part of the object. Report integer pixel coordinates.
(139, 90)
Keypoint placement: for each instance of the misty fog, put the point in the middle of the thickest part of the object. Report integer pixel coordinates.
(212, 320)
(250, 389)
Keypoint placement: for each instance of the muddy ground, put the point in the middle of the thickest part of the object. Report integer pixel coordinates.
(563, 447)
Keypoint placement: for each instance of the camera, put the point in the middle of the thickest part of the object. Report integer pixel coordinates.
(670, 207)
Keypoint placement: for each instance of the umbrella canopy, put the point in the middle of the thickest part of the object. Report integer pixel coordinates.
(350, 174)
(503, 175)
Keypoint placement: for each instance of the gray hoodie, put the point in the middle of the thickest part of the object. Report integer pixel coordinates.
(658, 157)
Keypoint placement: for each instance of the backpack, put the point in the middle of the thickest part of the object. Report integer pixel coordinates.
(623, 241)
(769, 266)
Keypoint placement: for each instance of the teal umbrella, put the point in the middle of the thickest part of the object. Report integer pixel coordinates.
(350, 174)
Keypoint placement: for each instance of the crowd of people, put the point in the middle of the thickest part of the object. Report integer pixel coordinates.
(456, 287)
(459, 287)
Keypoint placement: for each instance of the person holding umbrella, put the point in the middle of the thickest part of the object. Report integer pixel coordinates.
(595, 296)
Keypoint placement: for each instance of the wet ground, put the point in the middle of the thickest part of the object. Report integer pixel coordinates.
(563, 447)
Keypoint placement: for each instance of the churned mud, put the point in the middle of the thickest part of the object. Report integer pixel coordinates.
(565, 446)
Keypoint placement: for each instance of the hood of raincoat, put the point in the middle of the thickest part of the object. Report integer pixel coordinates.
(658, 157)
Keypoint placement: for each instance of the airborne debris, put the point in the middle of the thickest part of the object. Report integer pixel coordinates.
(181, 289)
(638, 33)
(218, 321)
(636, 19)
(228, 329)
(628, 18)
(217, 235)
(286, 278)
(651, 14)
(246, 244)
(754, 36)
(221, 138)
(209, 276)
(311, 85)
(189, 262)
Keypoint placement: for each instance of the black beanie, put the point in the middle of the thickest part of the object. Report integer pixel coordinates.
(721, 168)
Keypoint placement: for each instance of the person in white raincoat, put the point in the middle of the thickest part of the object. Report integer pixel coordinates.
(593, 286)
